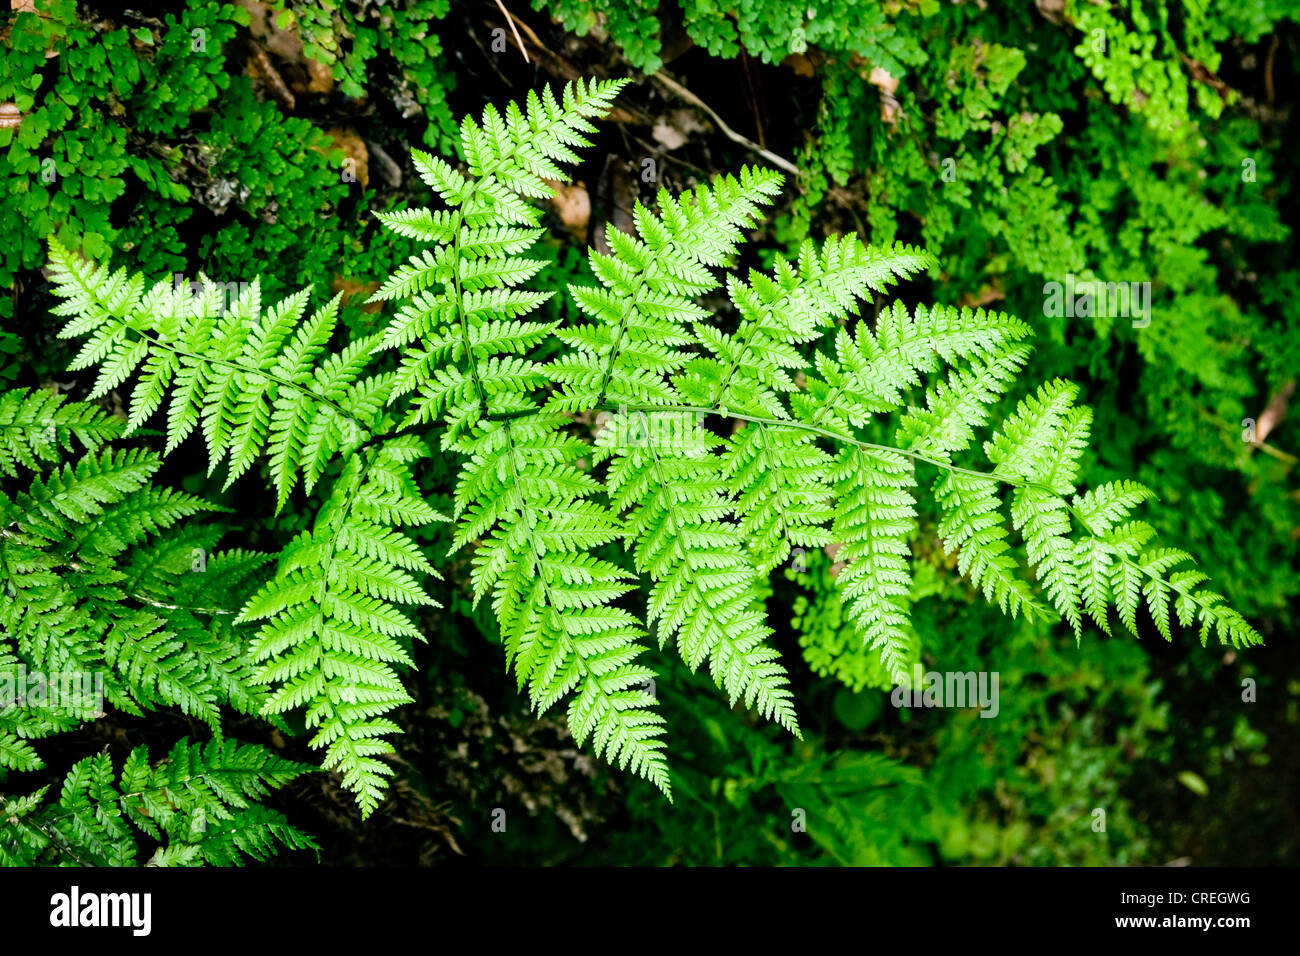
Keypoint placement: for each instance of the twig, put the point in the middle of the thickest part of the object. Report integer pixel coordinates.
(267, 71)
(511, 20)
(180, 607)
(1275, 411)
(727, 131)
(1268, 68)
(651, 149)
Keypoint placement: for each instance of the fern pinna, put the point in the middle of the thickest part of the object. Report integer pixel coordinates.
(719, 451)
(112, 600)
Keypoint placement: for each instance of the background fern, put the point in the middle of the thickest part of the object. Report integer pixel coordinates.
(197, 805)
(108, 595)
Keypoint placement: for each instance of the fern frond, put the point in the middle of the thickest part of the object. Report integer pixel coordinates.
(334, 636)
(74, 605)
(36, 426)
(252, 381)
(1032, 444)
(870, 372)
(781, 479)
(725, 446)
(641, 314)
(521, 497)
(21, 724)
(198, 803)
(705, 593)
(477, 251)
(874, 516)
(746, 370)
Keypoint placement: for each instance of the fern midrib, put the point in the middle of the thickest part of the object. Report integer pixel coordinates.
(919, 456)
(743, 354)
(642, 277)
(481, 394)
(791, 423)
(680, 524)
(754, 327)
(616, 351)
(124, 324)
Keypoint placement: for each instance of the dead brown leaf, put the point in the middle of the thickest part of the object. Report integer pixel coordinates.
(987, 294)
(572, 204)
(800, 63)
(353, 289)
(304, 75)
(354, 149)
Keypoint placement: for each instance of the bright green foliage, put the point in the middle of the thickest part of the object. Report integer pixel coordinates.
(725, 446)
(705, 569)
(521, 495)
(111, 601)
(62, 167)
(333, 632)
(35, 428)
(137, 126)
(198, 805)
(644, 312)
(250, 376)
(256, 385)
(90, 589)
(1173, 172)
(1022, 143)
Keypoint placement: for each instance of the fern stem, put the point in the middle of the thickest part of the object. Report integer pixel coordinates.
(744, 352)
(918, 456)
(834, 436)
(282, 382)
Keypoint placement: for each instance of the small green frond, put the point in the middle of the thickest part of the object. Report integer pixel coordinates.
(256, 383)
(198, 804)
(334, 636)
(35, 427)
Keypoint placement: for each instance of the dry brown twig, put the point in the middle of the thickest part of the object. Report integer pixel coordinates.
(727, 131)
(511, 20)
